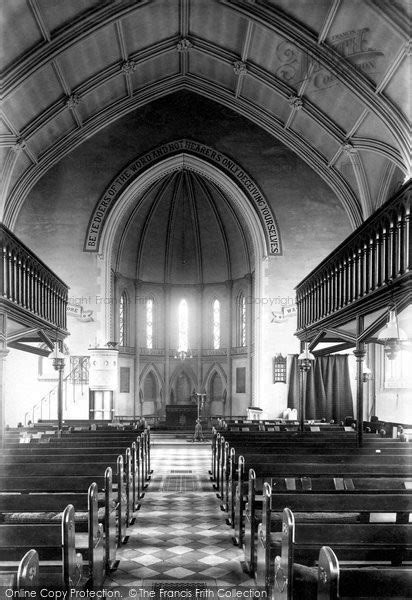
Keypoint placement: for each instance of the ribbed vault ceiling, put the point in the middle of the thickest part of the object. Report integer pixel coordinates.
(182, 230)
(329, 78)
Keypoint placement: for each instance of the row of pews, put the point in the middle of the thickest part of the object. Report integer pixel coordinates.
(317, 516)
(66, 501)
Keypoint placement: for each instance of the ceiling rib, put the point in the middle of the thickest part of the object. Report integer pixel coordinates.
(393, 67)
(39, 20)
(195, 224)
(171, 180)
(298, 34)
(207, 89)
(170, 226)
(363, 185)
(333, 9)
(219, 222)
(394, 17)
(384, 184)
(246, 252)
(65, 37)
(274, 19)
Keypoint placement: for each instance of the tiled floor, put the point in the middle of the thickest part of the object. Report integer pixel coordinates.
(180, 533)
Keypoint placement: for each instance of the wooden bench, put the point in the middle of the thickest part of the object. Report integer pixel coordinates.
(294, 467)
(306, 466)
(124, 478)
(230, 466)
(60, 566)
(21, 576)
(300, 541)
(132, 457)
(275, 442)
(337, 581)
(114, 501)
(246, 523)
(345, 512)
(46, 508)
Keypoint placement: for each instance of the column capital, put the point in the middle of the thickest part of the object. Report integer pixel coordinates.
(360, 354)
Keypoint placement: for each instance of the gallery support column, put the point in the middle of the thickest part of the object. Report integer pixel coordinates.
(359, 353)
(58, 364)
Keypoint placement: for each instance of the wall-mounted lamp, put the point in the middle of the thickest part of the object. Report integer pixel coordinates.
(305, 359)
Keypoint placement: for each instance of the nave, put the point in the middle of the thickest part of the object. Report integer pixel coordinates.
(180, 535)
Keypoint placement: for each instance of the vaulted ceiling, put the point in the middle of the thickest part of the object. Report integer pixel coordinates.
(329, 78)
(184, 229)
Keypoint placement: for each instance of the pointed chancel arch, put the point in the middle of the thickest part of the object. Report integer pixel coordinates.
(127, 191)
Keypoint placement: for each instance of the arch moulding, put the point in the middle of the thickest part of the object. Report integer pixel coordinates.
(126, 190)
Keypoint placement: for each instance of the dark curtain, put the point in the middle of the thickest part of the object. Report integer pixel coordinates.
(328, 391)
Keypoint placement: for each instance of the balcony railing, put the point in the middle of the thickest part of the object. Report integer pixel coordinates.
(27, 283)
(372, 257)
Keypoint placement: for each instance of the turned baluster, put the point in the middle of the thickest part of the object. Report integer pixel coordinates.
(401, 242)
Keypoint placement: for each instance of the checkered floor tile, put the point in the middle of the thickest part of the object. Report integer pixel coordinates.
(180, 533)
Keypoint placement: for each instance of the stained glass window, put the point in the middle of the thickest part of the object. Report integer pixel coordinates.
(149, 323)
(216, 324)
(183, 324)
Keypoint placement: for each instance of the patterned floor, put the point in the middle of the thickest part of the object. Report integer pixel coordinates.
(180, 533)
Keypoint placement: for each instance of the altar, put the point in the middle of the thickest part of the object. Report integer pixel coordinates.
(181, 416)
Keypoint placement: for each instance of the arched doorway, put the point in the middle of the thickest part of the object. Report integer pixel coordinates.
(216, 389)
(150, 395)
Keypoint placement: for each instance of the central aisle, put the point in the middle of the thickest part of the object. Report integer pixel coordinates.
(180, 533)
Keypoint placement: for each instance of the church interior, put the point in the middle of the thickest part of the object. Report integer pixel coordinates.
(205, 308)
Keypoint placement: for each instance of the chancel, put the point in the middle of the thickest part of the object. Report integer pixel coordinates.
(205, 298)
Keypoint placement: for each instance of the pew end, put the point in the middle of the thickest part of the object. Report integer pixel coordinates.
(328, 574)
(24, 576)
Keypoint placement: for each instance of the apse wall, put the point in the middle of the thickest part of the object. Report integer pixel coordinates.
(311, 221)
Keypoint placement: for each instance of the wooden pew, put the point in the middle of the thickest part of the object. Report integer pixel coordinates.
(267, 466)
(296, 467)
(273, 442)
(337, 581)
(229, 462)
(114, 502)
(266, 442)
(74, 468)
(34, 456)
(257, 506)
(21, 576)
(29, 453)
(60, 565)
(338, 511)
(45, 508)
(365, 541)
